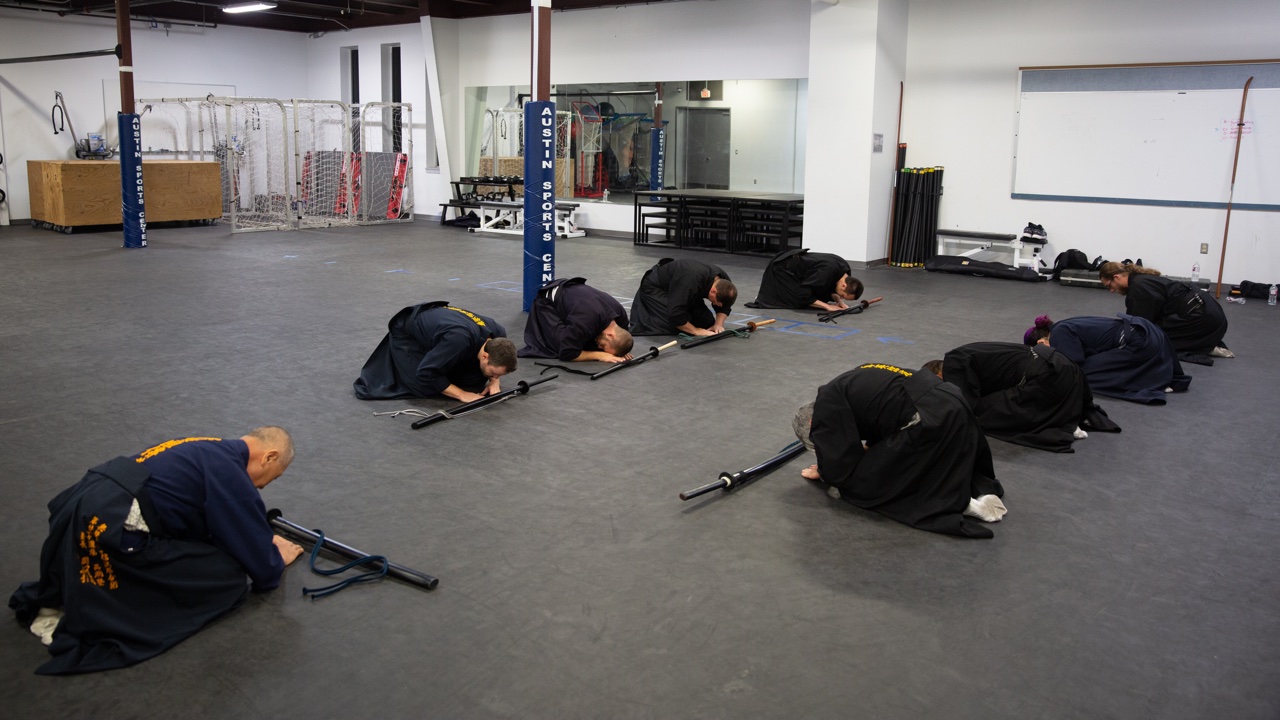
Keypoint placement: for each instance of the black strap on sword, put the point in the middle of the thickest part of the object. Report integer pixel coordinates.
(550, 366)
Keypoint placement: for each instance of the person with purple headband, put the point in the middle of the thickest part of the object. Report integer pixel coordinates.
(1124, 357)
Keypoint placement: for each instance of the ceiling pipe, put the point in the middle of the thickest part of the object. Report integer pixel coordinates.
(148, 19)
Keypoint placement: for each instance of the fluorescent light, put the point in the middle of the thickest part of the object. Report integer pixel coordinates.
(249, 7)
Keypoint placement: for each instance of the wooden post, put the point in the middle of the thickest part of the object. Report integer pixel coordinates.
(540, 64)
(125, 40)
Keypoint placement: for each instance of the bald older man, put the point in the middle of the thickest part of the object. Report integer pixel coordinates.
(145, 550)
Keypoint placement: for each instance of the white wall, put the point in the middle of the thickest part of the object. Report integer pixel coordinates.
(842, 80)
(697, 40)
(255, 62)
(960, 112)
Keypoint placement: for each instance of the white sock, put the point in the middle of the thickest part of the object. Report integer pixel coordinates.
(1079, 434)
(833, 492)
(45, 623)
(1169, 389)
(987, 508)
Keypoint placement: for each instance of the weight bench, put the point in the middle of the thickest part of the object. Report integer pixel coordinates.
(459, 207)
(984, 241)
(507, 217)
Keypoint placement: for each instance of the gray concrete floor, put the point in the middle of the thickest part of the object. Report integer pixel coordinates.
(1135, 578)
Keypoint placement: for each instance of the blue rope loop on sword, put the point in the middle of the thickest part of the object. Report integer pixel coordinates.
(326, 591)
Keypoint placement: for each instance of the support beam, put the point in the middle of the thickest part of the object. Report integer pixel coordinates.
(539, 159)
(132, 212)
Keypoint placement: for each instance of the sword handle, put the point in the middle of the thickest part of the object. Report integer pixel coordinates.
(720, 484)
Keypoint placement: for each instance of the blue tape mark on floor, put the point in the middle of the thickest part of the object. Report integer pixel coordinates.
(331, 262)
(401, 270)
(826, 331)
(829, 332)
(291, 256)
(507, 285)
(887, 340)
(452, 279)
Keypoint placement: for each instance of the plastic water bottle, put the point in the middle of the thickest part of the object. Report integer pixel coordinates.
(1271, 295)
(1195, 274)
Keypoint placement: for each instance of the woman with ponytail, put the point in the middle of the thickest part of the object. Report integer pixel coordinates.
(1124, 357)
(1189, 316)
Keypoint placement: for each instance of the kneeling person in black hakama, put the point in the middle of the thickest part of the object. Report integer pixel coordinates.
(798, 279)
(671, 295)
(146, 550)
(570, 320)
(904, 444)
(1191, 318)
(437, 349)
(1032, 396)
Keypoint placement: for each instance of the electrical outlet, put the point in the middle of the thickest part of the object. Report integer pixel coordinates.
(1204, 248)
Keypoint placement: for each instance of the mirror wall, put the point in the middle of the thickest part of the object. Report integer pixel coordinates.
(742, 135)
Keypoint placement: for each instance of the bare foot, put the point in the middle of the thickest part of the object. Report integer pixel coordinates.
(810, 473)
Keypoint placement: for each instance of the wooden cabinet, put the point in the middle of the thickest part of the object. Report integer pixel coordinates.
(71, 193)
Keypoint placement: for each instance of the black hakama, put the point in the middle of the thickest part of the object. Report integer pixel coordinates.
(671, 294)
(797, 278)
(1189, 316)
(925, 458)
(1123, 357)
(566, 318)
(427, 348)
(127, 595)
(1032, 396)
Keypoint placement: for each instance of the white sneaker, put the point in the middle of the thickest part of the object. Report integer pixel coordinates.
(1222, 352)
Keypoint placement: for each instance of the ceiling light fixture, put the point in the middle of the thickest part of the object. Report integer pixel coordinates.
(249, 7)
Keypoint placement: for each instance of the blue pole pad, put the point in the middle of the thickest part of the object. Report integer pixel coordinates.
(539, 198)
(657, 157)
(133, 211)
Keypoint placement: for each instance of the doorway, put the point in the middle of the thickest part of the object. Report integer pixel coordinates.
(705, 151)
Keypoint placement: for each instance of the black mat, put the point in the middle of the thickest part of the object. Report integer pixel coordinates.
(1134, 579)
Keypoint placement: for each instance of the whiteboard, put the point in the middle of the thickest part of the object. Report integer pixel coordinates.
(1154, 147)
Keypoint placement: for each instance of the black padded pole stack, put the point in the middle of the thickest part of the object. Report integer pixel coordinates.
(915, 221)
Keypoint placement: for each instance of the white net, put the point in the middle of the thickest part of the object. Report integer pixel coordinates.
(255, 157)
(385, 157)
(176, 128)
(325, 173)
